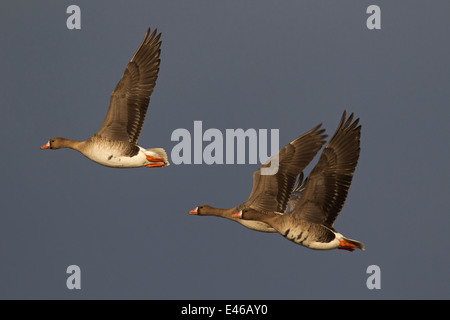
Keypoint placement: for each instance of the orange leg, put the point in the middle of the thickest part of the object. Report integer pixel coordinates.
(345, 245)
(155, 165)
(152, 159)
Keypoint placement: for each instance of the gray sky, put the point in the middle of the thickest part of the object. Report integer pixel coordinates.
(230, 64)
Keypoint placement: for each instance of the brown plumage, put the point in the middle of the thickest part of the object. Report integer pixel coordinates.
(327, 185)
(116, 142)
(271, 192)
(131, 96)
(311, 221)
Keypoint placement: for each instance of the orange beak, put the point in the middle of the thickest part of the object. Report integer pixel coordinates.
(194, 211)
(46, 146)
(237, 215)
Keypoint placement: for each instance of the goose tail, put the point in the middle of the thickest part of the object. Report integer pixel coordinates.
(158, 153)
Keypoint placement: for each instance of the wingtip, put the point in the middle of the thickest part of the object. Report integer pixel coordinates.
(318, 131)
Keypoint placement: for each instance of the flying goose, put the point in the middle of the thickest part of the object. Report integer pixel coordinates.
(271, 192)
(115, 143)
(311, 222)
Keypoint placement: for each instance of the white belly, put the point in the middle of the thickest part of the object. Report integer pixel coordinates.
(110, 159)
(302, 237)
(256, 225)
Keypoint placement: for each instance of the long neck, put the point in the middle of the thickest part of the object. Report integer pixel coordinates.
(217, 212)
(72, 144)
(270, 218)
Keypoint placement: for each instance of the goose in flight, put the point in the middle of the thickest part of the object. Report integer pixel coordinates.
(116, 142)
(311, 221)
(271, 192)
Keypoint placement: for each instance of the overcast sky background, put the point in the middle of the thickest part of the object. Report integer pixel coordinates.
(231, 64)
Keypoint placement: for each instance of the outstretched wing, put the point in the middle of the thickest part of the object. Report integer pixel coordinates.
(271, 192)
(327, 185)
(130, 99)
(296, 193)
